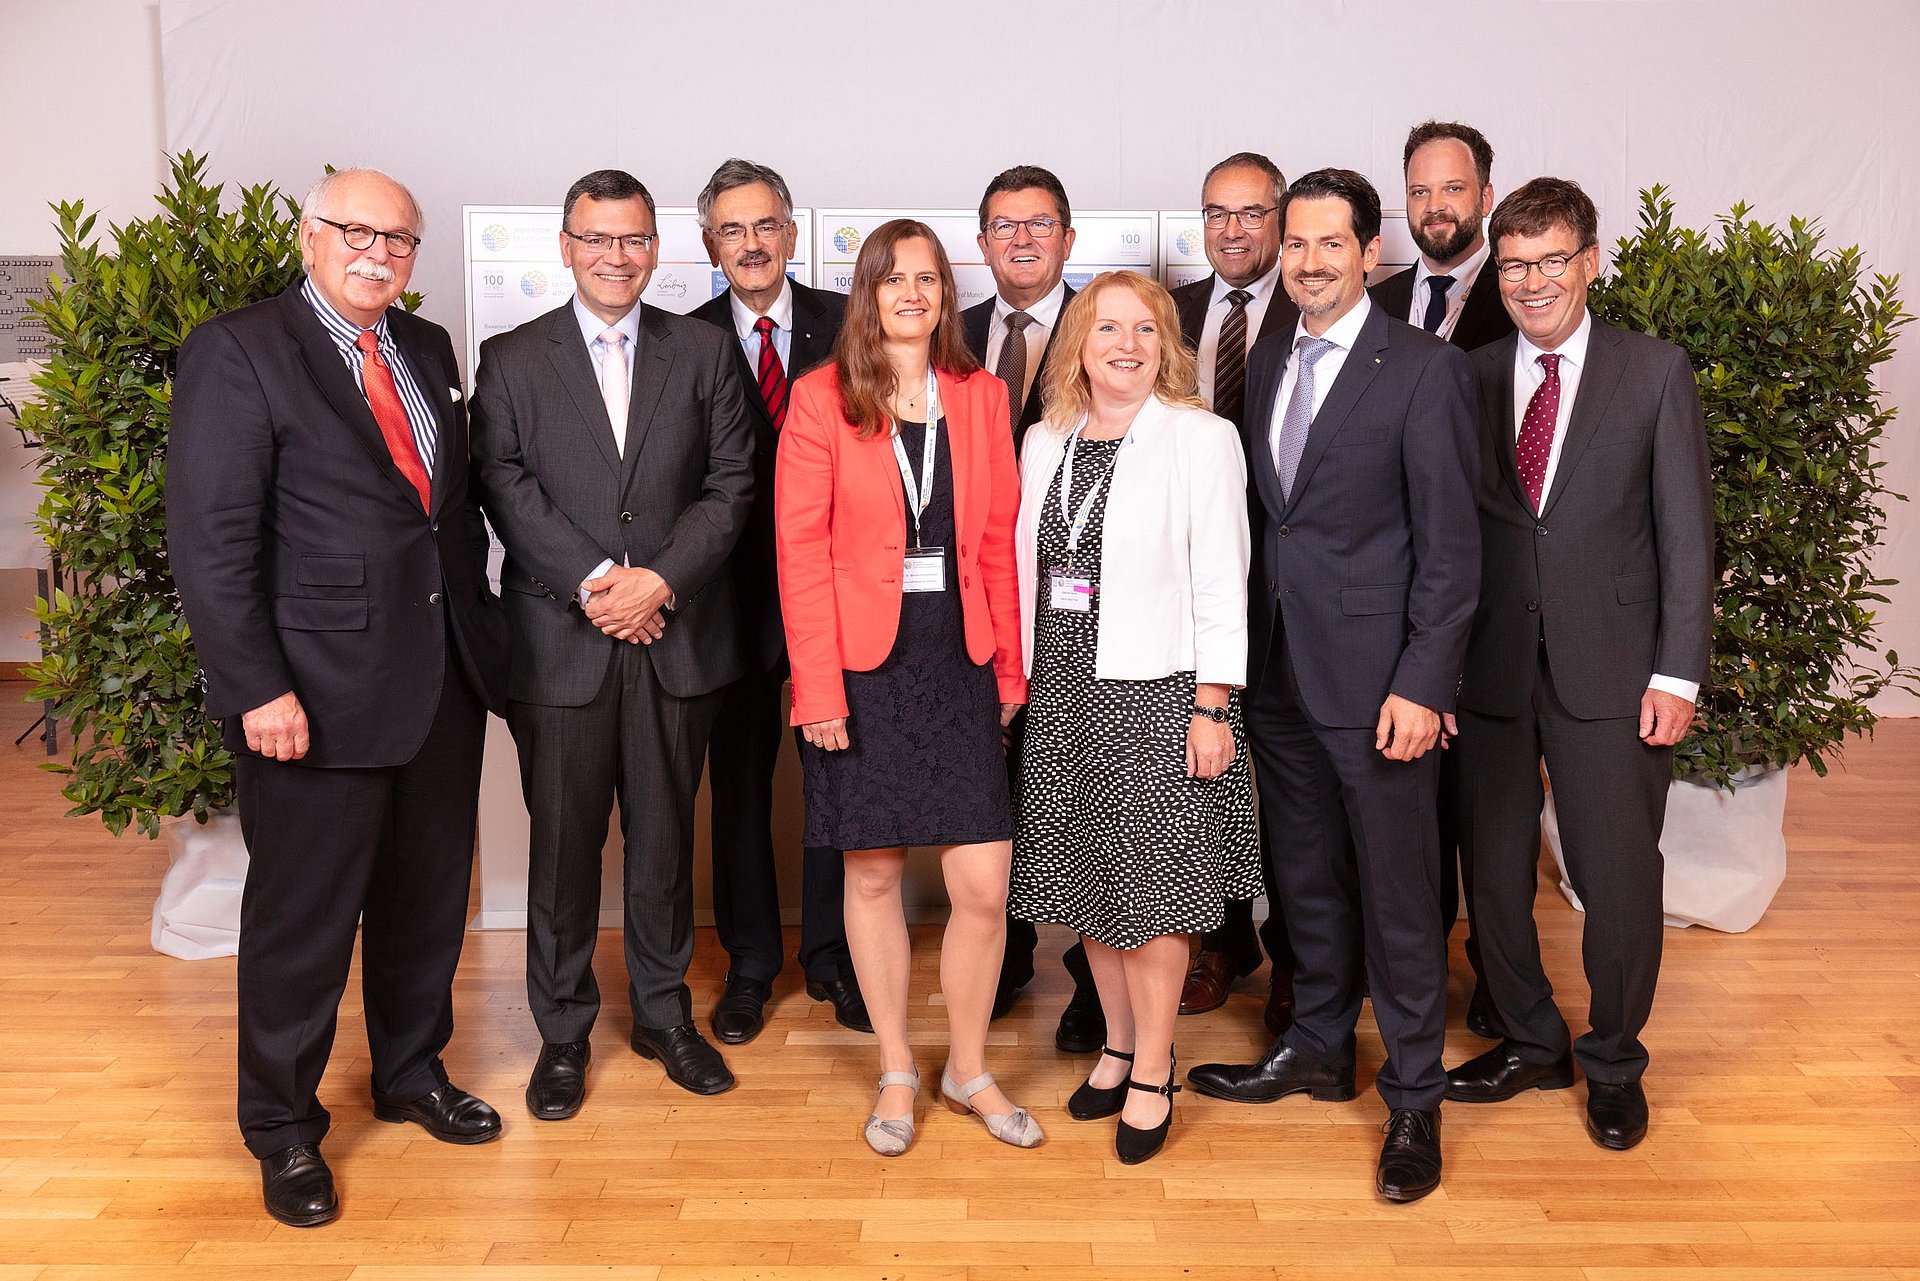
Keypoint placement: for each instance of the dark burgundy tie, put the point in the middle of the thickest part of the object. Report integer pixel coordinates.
(1535, 445)
(772, 375)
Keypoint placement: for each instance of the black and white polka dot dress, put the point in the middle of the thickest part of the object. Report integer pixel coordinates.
(1111, 838)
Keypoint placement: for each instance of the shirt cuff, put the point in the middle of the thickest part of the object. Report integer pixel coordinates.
(605, 565)
(1689, 690)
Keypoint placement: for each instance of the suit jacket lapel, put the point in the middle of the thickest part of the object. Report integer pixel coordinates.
(1497, 414)
(1356, 373)
(1262, 382)
(329, 372)
(1598, 382)
(1192, 310)
(811, 343)
(432, 381)
(652, 364)
(574, 367)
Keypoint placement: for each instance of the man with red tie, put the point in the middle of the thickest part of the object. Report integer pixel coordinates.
(783, 329)
(331, 560)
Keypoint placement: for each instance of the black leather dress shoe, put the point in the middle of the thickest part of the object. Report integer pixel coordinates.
(558, 1085)
(1482, 1021)
(1011, 981)
(1616, 1114)
(1500, 1073)
(449, 1114)
(1280, 1072)
(298, 1186)
(849, 1007)
(1410, 1158)
(741, 1011)
(1083, 1024)
(690, 1062)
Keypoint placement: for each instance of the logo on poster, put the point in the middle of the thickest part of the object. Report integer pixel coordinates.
(495, 237)
(1189, 241)
(847, 240)
(533, 284)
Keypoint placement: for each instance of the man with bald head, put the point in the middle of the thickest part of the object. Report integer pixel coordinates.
(331, 559)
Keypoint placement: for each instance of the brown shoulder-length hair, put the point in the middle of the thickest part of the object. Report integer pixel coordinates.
(1068, 393)
(866, 376)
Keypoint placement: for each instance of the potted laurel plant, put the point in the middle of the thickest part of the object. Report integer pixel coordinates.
(1784, 335)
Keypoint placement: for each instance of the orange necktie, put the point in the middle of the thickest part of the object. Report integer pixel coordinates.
(383, 397)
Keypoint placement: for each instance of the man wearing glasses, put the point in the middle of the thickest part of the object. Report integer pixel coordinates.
(782, 329)
(332, 563)
(1587, 652)
(1026, 233)
(614, 452)
(1221, 317)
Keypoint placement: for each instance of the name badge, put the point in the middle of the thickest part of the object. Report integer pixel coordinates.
(925, 571)
(1069, 592)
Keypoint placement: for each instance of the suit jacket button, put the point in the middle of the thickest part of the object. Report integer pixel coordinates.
(1540, 530)
(626, 518)
(1273, 588)
(1283, 531)
(434, 526)
(1533, 607)
(435, 599)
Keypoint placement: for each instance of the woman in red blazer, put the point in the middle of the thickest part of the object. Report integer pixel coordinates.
(894, 505)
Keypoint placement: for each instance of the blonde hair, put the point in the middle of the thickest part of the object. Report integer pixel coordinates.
(1068, 393)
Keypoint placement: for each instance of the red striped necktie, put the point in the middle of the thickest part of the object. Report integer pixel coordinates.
(383, 397)
(772, 376)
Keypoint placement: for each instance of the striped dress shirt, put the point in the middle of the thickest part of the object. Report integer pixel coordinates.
(345, 335)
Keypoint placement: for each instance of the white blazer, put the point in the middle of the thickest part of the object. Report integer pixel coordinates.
(1174, 555)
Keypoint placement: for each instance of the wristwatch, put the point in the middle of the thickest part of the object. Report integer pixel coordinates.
(1217, 714)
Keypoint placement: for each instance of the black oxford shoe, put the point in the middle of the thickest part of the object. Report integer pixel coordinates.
(558, 1085)
(849, 1007)
(1280, 1072)
(1616, 1114)
(298, 1186)
(741, 1011)
(691, 1063)
(449, 1114)
(1083, 1024)
(1410, 1158)
(1500, 1073)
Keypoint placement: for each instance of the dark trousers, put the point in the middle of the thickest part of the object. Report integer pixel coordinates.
(1355, 857)
(1238, 938)
(1610, 796)
(636, 742)
(1023, 937)
(741, 756)
(1456, 869)
(387, 850)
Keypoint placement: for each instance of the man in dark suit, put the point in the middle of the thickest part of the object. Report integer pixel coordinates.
(1221, 317)
(614, 452)
(1451, 292)
(332, 563)
(782, 329)
(1366, 566)
(1026, 233)
(1587, 652)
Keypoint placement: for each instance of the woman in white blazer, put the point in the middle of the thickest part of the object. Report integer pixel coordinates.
(1135, 816)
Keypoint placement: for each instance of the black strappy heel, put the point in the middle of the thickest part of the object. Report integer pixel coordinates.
(1134, 1145)
(1091, 1103)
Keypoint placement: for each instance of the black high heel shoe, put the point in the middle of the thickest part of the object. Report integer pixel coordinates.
(1134, 1145)
(1092, 1103)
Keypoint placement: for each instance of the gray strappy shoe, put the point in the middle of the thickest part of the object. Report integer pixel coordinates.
(1016, 1127)
(894, 1136)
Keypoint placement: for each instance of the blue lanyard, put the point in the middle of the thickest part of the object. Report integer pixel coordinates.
(923, 494)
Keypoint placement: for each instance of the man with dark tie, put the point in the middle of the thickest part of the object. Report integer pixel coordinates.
(1588, 651)
(1360, 442)
(1221, 317)
(332, 563)
(1451, 292)
(1026, 233)
(614, 451)
(782, 329)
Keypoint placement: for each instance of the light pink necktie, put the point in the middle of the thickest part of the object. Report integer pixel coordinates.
(613, 385)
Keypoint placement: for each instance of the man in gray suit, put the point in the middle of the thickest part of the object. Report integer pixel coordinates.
(614, 455)
(1588, 650)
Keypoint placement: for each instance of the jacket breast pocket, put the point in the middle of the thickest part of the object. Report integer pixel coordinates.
(319, 614)
(1364, 436)
(1388, 599)
(1634, 588)
(315, 569)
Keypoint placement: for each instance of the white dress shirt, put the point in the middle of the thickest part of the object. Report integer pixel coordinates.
(1466, 278)
(1046, 315)
(781, 314)
(1528, 374)
(1208, 348)
(1342, 333)
(591, 327)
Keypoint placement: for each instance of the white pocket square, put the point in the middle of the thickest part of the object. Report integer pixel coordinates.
(455, 393)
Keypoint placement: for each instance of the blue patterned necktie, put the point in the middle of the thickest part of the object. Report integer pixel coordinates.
(1299, 416)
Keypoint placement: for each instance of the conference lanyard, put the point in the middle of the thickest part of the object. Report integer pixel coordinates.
(1077, 524)
(919, 498)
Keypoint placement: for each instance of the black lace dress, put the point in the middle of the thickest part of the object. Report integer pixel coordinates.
(923, 765)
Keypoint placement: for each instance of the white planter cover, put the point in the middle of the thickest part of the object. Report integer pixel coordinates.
(198, 912)
(1726, 852)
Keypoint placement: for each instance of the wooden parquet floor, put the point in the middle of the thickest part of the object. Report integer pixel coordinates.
(1785, 1092)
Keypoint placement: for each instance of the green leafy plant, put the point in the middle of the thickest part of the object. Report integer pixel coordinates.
(120, 664)
(1784, 336)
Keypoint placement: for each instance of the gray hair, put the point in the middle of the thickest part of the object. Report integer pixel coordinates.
(319, 198)
(1251, 160)
(736, 172)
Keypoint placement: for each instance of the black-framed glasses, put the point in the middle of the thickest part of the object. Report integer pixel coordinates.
(400, 244)
(1553, 266)
(732, 233)
(637, 243)
(1252, 218)
(1007, 228)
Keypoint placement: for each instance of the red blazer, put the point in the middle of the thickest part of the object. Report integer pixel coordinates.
(840, 533)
